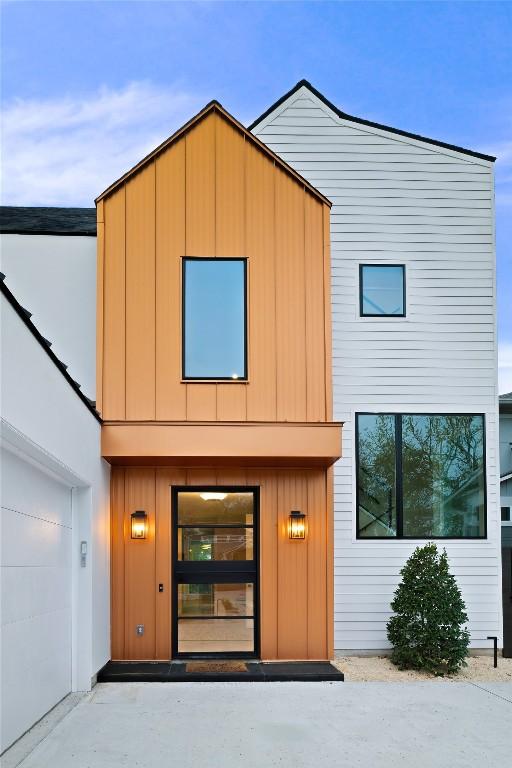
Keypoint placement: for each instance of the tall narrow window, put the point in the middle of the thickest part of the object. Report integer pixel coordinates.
(376, 475)
(382, 290)
(214, 318)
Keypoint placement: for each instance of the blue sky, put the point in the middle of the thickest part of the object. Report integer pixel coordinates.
(89, 87)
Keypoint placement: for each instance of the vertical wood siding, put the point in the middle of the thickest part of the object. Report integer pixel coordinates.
(114, 307)
(295, 606)
(396, 200)
(171, 396)
(212, 193)
(140, 296)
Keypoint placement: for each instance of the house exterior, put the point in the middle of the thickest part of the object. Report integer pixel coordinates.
(412, 219)
(236, 304)
(213, 383)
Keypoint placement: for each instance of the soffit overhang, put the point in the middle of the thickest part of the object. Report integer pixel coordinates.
(222, 444)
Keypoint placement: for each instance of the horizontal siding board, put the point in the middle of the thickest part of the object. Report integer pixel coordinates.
(397, 200)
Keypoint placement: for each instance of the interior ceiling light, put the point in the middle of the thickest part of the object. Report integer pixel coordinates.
(213, 496)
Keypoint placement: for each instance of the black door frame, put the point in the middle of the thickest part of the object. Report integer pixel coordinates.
(215, 572)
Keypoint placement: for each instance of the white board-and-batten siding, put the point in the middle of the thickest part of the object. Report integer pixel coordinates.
(399, 200)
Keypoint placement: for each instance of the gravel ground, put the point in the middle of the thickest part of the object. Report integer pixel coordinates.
(364, 669)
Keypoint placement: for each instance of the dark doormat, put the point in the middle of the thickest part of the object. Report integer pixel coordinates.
(215, 666)
(217, 671)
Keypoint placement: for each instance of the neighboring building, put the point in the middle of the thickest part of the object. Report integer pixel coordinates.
(506, 466)
(221, 334)
(506, 516)
(414, 346)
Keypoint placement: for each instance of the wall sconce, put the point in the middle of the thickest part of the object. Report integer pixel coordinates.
(296, 525)
(139, 521)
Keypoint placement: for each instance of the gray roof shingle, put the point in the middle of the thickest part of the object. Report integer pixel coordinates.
(19, 220)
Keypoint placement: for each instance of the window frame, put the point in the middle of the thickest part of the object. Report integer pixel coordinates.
(506, 501)
(224, 379)
(404, 292)
(399, 477)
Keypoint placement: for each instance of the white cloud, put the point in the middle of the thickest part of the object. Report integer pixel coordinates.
(65, 151)
(505, 367)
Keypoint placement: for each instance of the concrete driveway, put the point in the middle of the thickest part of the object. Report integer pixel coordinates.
(219, 725)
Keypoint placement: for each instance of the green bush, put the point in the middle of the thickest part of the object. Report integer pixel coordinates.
(427, 630)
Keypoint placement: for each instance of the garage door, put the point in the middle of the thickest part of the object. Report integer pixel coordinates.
(36, 595)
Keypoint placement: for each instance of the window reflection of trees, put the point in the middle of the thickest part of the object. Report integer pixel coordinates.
(442, 460)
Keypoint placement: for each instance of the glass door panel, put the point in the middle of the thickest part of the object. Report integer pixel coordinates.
(213, 637)
(207, 544)
(215, 508)
(217, 600)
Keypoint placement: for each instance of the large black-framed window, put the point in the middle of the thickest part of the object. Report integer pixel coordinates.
(382, 290)
(214, 319)
(215, 595)
(420, 476)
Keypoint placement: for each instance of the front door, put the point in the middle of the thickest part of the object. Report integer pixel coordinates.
(215, 572)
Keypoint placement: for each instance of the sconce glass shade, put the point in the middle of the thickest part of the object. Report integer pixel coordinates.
(296, 525)
(139, 523)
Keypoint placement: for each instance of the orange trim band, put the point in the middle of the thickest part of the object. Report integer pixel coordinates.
(285, 444)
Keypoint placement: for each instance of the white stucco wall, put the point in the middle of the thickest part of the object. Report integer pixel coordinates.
(398, 200)
(50, 433)
(54, 277)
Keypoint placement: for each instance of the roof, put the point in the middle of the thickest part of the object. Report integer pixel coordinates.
(212, 107)
(505, 403)
(26, 316)
(362, 121)
(16, 220)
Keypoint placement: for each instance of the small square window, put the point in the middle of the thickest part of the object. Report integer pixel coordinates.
(505, 515)
(382, 290)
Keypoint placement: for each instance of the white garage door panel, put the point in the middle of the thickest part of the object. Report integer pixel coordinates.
(41, 677)
(22, 588)
(42, 497)
(36, 594)
(31, 542)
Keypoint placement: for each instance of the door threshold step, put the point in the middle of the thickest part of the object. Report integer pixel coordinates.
(231, 671)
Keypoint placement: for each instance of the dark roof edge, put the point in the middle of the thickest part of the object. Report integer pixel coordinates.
(362, 121)
(71, 221)
(22, 314)
(180, 132)
(58, 233)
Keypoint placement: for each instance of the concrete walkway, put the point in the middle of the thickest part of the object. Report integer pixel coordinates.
(301, 725)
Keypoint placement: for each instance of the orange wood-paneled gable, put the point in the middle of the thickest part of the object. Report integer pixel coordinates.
(213, 192)
(296, 577)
